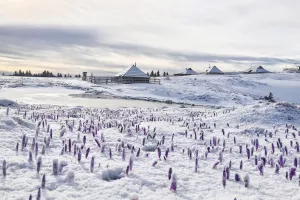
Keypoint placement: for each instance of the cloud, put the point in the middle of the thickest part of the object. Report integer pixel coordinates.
(100, 50)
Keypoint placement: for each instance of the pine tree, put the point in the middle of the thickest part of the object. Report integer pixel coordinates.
(164, 74)
(152, 73)
(157, 74)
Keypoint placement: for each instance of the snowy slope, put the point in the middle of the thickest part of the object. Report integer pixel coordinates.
(144, 181)
(222, 90)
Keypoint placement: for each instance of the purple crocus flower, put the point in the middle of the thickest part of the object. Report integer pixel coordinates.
(237, 177)
(79, 155)
(38, 196)
(277, 169)
(98, 143)
(158, 152)
(264, 161)
(127, 170)
(170, 173)
(227, 172)
(92, 164)
(123, 154)
(131, 159)
(286, 150)
(224, 178)
(273, 148)
(256, 144)
(272, 162)
(138, 152)
(247, 180)
(84, 140)
(110, 153)
(215, 165)
(55, 167)
(255, 160)
(70, 145)
(30, 156)
(292, 172)
(4, 168)
(241, 165)
(296, 162)
(17, 147)
(281, 161)
(39, 164)
(261, 168)
(154, 163)
(173, 186)
(43, 181)
(87, 152)
(196, 164)
(248, 153)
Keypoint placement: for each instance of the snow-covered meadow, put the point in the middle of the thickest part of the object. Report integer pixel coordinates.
(246, 149)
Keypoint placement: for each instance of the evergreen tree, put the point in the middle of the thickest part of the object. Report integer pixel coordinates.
(164, 74)
(157, 74)
(152, 73)
(167, 73)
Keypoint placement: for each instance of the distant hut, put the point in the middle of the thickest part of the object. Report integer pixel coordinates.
(188, 71)
(255, 70)
(214, 70)
(132, 75)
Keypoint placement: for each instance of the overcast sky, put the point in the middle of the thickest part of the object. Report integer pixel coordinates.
(106, 36)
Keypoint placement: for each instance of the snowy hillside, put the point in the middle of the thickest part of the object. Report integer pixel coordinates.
(198, 89)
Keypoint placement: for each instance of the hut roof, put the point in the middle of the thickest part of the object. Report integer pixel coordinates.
(258, 69)
(189, 71)
(214, 70)
(132, 71)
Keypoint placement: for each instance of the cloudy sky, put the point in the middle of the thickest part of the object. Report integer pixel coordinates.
(103, 36)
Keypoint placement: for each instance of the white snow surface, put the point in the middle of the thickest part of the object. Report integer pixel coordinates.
(246, 118)
(225, 90)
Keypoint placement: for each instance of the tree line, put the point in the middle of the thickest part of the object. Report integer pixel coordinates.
(45, 73)
(157, 74)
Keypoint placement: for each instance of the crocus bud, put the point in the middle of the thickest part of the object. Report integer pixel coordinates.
(224, 178)
(215, 165)
(55, 167)
(79, 155)
(131, 159)
(30, 156)
(39, 164)
(87, 152)
(158, 152)
(30, 197)
(227, 172)
(260, 167)
(241, 165)
(38, 196)
(17, 147)
(154, 163)
(237, 177)
(173, 186)
(44, 181)
(196, 164)
(92, 164)
(123, 154)
(4, 168)
(247, 180)
(170, 173)
(292, 173)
